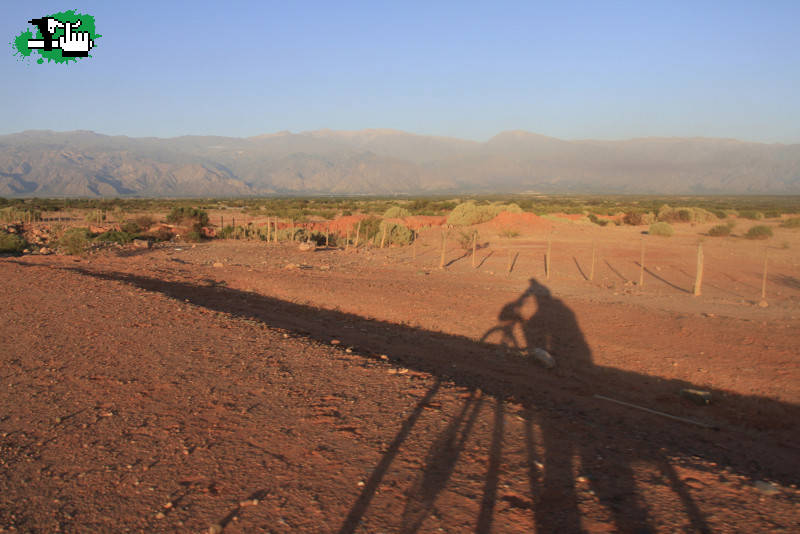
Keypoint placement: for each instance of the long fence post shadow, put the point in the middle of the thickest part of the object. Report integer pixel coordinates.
(489, 499)
(439, 465)
(359, 508)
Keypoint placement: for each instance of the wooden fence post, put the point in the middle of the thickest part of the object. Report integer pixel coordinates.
(698, 281)
(358, 234)
(444, 246)
(764, 279)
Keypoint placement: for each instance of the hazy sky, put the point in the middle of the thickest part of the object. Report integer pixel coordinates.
(599, 69)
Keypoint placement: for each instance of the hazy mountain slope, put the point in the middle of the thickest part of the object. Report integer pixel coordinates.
(83, 163)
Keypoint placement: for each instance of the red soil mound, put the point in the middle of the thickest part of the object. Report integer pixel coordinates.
(520, 221)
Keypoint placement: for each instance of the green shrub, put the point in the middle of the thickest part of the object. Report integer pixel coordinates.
(75, 240)
(661, 228)
(396, 234)
(179, 214)
(370, 227)
(469, 213)
(639, 218)
(193, 236)
(161, 234)
(396, 212)
(759, 232)
(598, 221)
(753, 215)
(11, 242)
(509, 233)
(130, 227)
(720, 230)
(465, 239)
(691, 214)
(114, 236)
(794, 222)
(144, 222)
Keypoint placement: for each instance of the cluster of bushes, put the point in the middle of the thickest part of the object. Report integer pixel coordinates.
(470, 212)
(794, 222)
(11, 243)
(691, 214)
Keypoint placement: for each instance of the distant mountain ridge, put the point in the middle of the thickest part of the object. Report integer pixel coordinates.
(385, 162)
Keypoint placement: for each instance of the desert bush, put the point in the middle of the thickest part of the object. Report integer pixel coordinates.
(180, 214)
(318, 238)
(288, 234)
(193, 236)
(753, 215)
(74, 240)
(695, 215)
(370, 227)
(161, 234)
(130, 227)
(396, 212)
(661, 228)
(11, 242)
(639, 218)
(226, 232)
(598, 221)
(396, 234)
(720, 230)
(759, 232)
(114, 236)
(469, 213)
(465, 239)
(144, 222)
(794, 222)
(509, 233)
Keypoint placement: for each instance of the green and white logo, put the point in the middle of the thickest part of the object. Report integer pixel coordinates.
(60, 37)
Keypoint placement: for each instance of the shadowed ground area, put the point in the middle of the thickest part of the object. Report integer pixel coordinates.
(144, 400)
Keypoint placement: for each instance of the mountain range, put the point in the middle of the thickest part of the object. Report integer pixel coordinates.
(385, 162)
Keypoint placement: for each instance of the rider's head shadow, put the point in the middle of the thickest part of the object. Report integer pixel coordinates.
(551, 326)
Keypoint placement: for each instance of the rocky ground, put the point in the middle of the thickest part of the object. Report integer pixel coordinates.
(242, 387)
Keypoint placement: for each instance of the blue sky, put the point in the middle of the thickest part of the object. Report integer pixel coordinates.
(605, 70)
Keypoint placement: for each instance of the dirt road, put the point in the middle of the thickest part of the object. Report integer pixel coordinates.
(359, 392)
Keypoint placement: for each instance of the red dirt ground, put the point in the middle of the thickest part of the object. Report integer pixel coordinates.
(368, 391)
